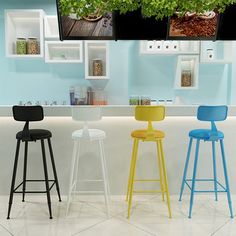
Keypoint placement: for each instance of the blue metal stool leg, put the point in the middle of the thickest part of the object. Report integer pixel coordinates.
(226, 178)
(214, 169)
(185, 168)
(194, 177)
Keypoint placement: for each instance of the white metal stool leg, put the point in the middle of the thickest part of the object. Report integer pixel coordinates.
(105, 182)
(73, 170)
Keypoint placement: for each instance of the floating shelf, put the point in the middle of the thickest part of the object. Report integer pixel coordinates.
(51, 30)
(96, 50)
(216, 52)
(23, 24)
(169, 47)
(187, 72)
(63, 52)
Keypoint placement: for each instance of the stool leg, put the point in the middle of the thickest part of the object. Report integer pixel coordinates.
(160, 171)
(194, 178)
(76, 170)
(72, 172)
(13, 178)
(46, 178)
(24, 171)
(165, 177)
(214, 169)
(54, 169)
(134, 160)
(105, 183)
(185, 168)
(226, 178)
(130, 171)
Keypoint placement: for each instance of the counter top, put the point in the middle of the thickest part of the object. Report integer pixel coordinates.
(115, 110)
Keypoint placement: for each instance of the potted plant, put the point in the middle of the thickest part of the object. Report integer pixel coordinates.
(150, 8)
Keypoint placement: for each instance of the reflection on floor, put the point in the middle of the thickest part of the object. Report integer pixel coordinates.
(88, 218)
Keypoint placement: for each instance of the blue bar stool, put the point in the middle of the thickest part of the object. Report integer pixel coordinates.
(212, 114)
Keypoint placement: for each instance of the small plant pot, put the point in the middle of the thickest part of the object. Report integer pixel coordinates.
(207, 15)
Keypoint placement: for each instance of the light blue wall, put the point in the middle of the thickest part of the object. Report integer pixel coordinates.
(131, 73)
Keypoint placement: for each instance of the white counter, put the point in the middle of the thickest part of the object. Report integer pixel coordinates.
(115, 110)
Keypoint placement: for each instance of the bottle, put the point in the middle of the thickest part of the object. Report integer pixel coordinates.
(21, 46)
(72, 95)
(32, 46)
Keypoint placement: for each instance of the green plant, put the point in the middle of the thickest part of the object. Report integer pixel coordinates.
(150, 8)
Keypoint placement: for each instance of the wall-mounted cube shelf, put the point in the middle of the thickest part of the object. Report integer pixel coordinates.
(23, 24)
(216, 52)
(96, 50)
(169, 47)
(63, 52)
(187, 72)
(51, 30)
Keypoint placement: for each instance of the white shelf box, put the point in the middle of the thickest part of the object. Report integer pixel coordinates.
(96, 50)
(63, 52)
(51, 30)
(216, 52)
(169, 47)
(23, 24)
(187, 72)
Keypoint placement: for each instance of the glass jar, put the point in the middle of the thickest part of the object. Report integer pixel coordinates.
(145, 100)
(32, 46)
(97, 67)
(186, 78)
(21, 46)
(99, 97)
(134, 100)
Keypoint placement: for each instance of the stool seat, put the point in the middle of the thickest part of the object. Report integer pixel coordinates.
(206, 134)
(142, 134)
(34, 134)
(93, 134)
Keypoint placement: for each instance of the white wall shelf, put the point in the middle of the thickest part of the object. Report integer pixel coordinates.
(96, 50)
(63, 51)
(51, 30)
(169, 47)
(216, 52)
(187, 72)
(23, 24)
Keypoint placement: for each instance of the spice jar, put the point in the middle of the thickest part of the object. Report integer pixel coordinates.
(186, 78)
(134, 100)
(97, 67)
(145, 100)
(32, 46)
(21, 46)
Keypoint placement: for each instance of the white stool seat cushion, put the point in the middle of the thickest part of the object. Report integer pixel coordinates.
(92, 134)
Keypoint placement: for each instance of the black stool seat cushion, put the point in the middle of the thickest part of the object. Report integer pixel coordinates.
(33, 134)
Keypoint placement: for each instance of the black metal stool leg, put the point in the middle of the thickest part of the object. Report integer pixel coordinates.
(46, 178)
(54, 169)
(25, 171)
(13, 178)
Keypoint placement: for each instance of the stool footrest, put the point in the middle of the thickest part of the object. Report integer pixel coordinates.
(149, 191)
(35, 180)
(83, 192)
(146, 180)
(221, 190)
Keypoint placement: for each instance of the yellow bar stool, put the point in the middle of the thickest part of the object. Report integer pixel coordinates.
(149, 114)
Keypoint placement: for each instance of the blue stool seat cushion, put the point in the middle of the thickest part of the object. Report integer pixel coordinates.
(206, 134)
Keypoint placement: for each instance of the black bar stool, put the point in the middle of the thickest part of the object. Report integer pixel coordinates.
(27, 114)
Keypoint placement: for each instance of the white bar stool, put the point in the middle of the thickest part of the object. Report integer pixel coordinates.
(87, 114)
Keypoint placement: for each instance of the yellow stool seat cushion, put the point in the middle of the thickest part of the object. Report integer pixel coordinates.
(143, 134)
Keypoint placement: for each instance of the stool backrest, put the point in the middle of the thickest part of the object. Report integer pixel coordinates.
(80, 113)
(28, 113)
(212, 113)
(150, 113)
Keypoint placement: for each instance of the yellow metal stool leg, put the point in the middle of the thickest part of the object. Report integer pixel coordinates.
(131, 170)
(134, 158)
(165, 177)
(160, 172)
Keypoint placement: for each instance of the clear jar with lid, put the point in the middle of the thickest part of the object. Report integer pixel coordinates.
(134, 100)
(32, 46)
(21, 46)
(99, 97)
(97, 67)
(145, 100)
(186, 78)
